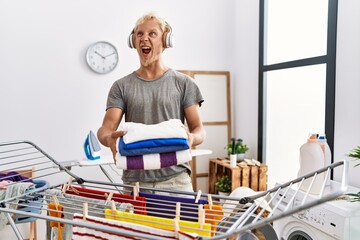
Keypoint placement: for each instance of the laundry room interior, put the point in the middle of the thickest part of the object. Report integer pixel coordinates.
(275, 77)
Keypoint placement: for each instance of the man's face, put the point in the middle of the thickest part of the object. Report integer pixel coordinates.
(148, 42)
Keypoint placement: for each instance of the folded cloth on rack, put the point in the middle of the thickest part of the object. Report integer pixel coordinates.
(165, 206)
(139, 204)
(74, 204)
(158, 222)
(12, 191)
(153, 161)
(151, 146)
(151, 143)
(14, 177)
(130, 229)
(172, 128)
(213, 216)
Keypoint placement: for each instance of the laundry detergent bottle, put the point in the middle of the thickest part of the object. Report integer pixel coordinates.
(312, 158)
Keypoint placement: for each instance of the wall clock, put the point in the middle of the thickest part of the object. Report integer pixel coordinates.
(102, 57)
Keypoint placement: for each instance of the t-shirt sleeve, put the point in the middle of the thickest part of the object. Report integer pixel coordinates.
(192, 94)
(115, 97)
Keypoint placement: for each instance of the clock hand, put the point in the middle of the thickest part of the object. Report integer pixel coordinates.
(100, 55)
(109, 55)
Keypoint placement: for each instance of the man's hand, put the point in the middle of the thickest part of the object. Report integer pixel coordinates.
(111, 141)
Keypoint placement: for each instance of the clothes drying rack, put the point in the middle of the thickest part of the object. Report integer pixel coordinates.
(204, 216)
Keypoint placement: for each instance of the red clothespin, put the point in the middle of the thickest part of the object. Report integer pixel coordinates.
(198, 196)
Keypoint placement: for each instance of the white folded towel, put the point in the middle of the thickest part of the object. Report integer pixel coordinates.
(172, 128)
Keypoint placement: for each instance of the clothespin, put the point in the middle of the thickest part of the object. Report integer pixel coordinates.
(113, 207)
(64, 188)
(56, 202)
(136, 190)
(201, 215)
(198, 196)
(108, 197)
(176, 228)
(85, 210)
(209, 197)
(176, 220)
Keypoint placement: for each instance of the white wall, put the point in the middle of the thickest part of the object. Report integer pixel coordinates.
(347, 113)
(49, 96)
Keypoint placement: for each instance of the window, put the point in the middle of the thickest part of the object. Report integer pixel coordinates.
(297, 80)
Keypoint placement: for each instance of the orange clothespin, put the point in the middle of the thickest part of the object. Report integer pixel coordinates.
(136, 190)
(209, 197)
(198, 196)
(85, 210)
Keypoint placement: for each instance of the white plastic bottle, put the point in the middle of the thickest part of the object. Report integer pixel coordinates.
(326, 149)
(312, 158)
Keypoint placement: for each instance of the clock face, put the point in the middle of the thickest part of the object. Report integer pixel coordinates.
(102, 57)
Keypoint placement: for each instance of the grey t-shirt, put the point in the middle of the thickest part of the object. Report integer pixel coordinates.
(152, 102)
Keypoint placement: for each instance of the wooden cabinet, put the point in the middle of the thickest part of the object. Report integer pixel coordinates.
(254, 177)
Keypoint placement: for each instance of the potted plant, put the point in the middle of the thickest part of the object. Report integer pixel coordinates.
(240, 149)
(355, 153)
(223, 185)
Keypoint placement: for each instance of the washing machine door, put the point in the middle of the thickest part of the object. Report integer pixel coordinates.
(299, 235)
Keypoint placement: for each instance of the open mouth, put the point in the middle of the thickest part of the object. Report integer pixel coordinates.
(146, 50)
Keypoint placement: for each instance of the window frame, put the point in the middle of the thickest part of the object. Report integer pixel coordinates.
(329, 59)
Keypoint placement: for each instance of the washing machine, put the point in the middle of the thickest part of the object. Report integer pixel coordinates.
(338, 219)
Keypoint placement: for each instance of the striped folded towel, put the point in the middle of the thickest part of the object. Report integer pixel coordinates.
(153, 161)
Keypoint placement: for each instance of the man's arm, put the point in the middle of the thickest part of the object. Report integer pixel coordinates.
(197, 132)
(107, 133)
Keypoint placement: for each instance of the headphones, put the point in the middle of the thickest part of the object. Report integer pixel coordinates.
(167, 38)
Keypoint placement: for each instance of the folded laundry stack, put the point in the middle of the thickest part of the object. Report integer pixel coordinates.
(152, 146)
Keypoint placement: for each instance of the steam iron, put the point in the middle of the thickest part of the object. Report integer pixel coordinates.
(92, 147)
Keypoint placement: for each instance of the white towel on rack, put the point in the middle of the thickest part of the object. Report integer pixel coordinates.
(172, 128)
(13, 190)
(88, 233)
(153, 161)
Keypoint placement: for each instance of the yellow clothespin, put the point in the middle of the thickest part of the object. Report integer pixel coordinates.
(201, 215)
(136, 190)
(210, 201)
(198, 196)
(85, 210)
(109, 197)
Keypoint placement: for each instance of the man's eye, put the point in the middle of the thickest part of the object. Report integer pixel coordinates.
(153, 34)
(139, 34)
